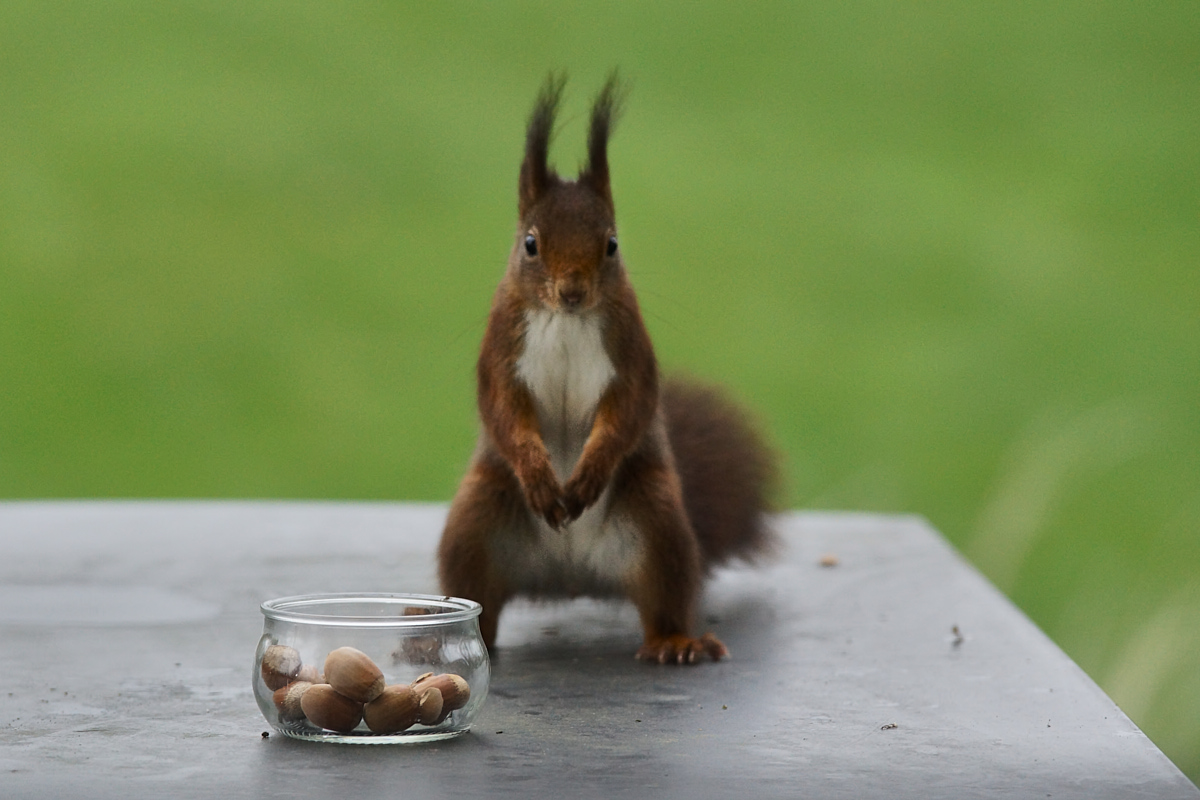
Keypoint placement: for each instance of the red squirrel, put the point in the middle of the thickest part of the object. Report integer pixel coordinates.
(590, 477)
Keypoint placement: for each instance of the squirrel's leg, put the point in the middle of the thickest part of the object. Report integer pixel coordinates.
(488, 499)
(665, 582)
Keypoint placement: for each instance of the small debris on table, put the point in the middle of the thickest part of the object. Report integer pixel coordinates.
(829, 560)
(891, 726)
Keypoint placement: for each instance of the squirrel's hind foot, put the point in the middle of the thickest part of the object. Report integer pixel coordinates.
(681, 649)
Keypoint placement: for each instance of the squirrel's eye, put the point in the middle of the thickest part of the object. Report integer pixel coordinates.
(612, 245)
(531, 245)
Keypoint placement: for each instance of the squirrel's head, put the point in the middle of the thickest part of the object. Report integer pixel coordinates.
(566, 243)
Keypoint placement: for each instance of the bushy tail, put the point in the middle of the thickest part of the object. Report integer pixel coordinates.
(728, 472)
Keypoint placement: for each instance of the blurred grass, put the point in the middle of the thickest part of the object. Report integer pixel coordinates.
(948, 252)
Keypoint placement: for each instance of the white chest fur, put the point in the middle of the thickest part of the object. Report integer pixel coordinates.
(567, 369)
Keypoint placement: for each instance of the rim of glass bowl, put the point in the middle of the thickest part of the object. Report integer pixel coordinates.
(292, 609)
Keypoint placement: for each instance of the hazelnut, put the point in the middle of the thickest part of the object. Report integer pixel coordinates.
(309, 673)
(429, 707)
(454, 689)
(396, 709)
(353, 674)
(287, 700)
(326, 708)
(280, 664)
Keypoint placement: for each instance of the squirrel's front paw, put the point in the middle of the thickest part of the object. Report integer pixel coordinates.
(681, 649)
(546, 501)
(582, 490)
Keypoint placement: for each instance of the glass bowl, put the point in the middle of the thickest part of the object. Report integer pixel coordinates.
(364, 668)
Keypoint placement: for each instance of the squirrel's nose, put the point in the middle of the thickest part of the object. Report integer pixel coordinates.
(571, 298)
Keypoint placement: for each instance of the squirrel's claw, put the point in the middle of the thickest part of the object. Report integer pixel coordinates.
(680, 649)
(581, 491)
(557, 516)
(573, 507)
(546, 501)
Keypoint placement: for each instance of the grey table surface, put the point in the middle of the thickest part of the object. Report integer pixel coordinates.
(127, 635)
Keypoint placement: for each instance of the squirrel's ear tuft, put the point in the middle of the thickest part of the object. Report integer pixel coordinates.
(605, 113)
(535, 174)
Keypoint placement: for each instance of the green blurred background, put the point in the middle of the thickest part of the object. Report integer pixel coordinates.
(947, 251)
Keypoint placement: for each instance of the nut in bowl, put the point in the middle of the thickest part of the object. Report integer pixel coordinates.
(371, 668)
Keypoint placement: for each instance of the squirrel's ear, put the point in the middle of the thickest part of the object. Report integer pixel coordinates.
(605, 112)
(535, 174)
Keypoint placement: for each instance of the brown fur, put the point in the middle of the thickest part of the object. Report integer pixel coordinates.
(728, 472)
(680, 470)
